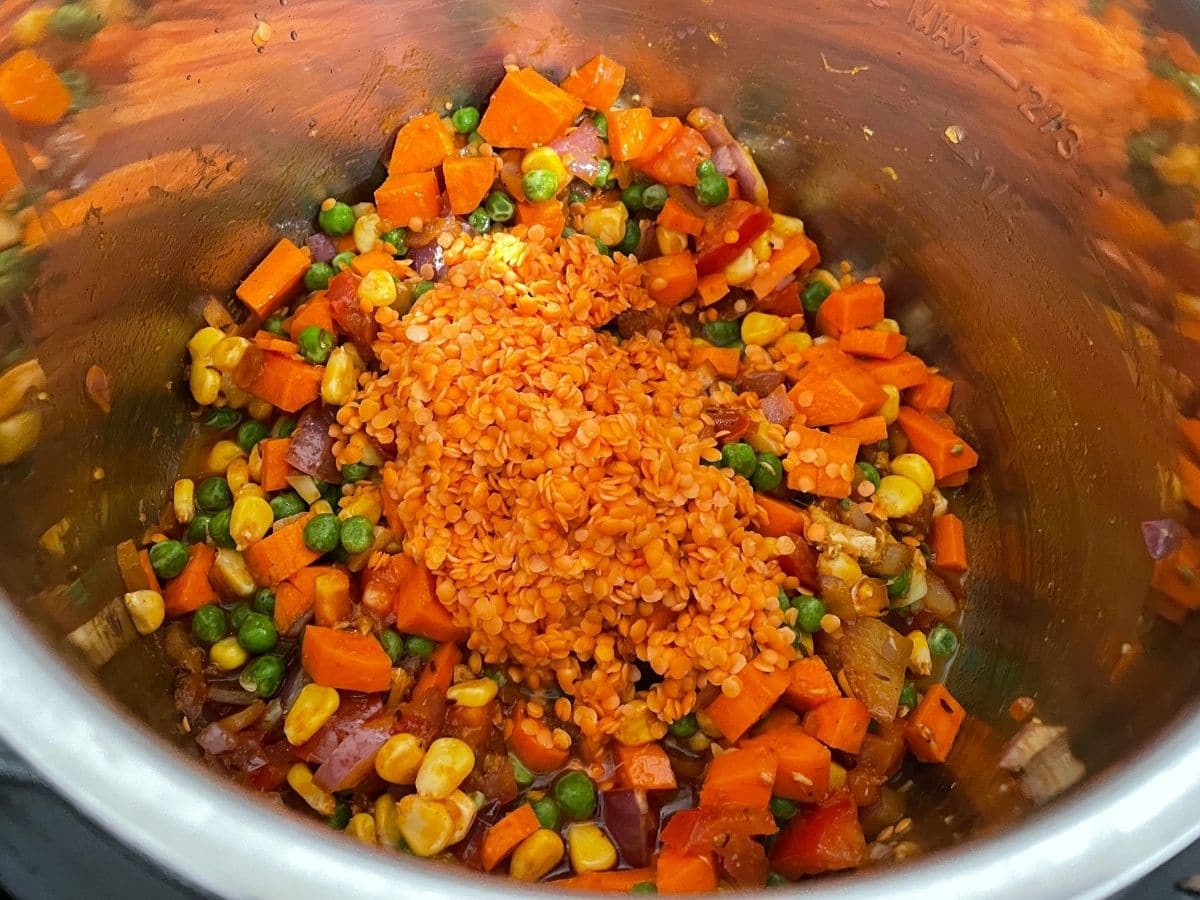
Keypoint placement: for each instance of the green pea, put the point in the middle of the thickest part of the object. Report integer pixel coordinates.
(908, 695)
(722, 332)
(768, 472)
(601, 122)
(420, 647)
(238, 614)
(942, 641)
(644, 887)
(633, 237)
(465, 119)
(783, 809)
(250, 433)
(330, 493)
(357, 534)
(869, 472)
(397, 238)
(1144, 145)
(602, 248)
(213, 494)
(499, 206)
(287, 504)
(322, 533)
(315, 344)
(263, 676)
(809, 612)
(632, 196)
(421, 288)
(283, 427)
(547, 812)
(706, 169)
(774, 879)
(168, 558)
(576, 197)
(569, 232)
(218, 529)
(684, 728)
(539, 185)
(392, 643)
(1189, 81)
(497, 676)
(474, 138)
(813, 296)
(740, 457)
(654, 197)
(1163, 67)
(603, 173)
(898, 586)
(784, 603)
(342, 261)
(711, 189)
(318, 275)
(222, 419)
(336, 221)
(208, 624)
(480, 221)
(341, 816)
(352, 472)
(576, 795)
(75, 21)
(257, 633)
(521, 773)
(197, 530)
(264, 601)
(274, 324)
(79, 87)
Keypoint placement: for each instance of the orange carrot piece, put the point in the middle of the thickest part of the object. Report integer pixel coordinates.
(803, 763)
(526, 109)
(274, 280)
(332, 598)
(932, 396)
(265, 340)
(550, 214)
(795, 252)
(275, 467)
(711, 288)
(835, 390)
(318, 311)
(378, 259)
(530, 740)
(857, 306)
(290, 604)
(784, 301)
(871, 343)
(468, 180)
(682, 873)
(724, 360)
(31, 91)
(1189, 479)
(672, 278)
(503, 837)
(9, 178)
(948, 454)
(870, 430)
(949, 544)
(284, 381)
(191, 589)
(934, 725)
(678, 159)
(677, 217)
(739, 778)
(148, 570)
(810, 683)
(1177, 576)
(620, 881)
(1162, 99)
(644, 768)
(438, 673)
(661, 132)
(840, 723)
(281, 554)
(421, 144)
(597, 83)
(760, 690)
(782, 517)
(904, 371)
(831, 478)
(628, 132)
(418, 610)
(414, 195)
(345, 660)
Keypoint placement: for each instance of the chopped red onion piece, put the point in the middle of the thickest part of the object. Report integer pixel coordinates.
(311, 449)
(321, 247)
(1162, 536)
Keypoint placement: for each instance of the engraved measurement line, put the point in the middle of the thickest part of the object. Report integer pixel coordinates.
(996, 68)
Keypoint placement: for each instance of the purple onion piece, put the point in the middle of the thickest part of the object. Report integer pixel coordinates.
(321, 247)
(351, 761)
(430, 254)
(1162, 536)
(581, 151)
(311, 449)
(626, 816)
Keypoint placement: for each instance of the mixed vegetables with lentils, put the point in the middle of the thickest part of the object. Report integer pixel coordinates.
(557, 512)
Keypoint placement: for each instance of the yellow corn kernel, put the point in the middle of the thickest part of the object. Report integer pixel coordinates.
(363, 209)
(761, 246)
(536, 856)
(767, 437)
(399, 759)
(891, 406)
(255, 463)
(362, 827)
(249, 489)
(221, 455)
(341, 376)
(202, 342)
(843, 566)
(698, 742)
(670, 241)
(607, 224)
(377, 288)
(234, 396)
(707, 725)
(896, 497)
(228, 353)
(474, 693)
(367, 229)
(920, 662)
(546, 158)
(590, 850)
(786, 226)
(359, 441)
(742, 269)
(205, 384)
(888, 325)
(250, 520)
(314, 706)
(447, 762)
(321, 507)
(793, 342)
(305, 487)
(1179, 166)
(462, 811)
(837, 777)
(230, 572)
(634, 728)
(915, 468)
(19, 434)
(32, 26)
(387, 822)
(260, 410)
(425, 825)
(237, 474)
(826, 278)
(300, 778)
(146, 609)
(762, 329)
(183, 499)
(227, 654)
(365, 502)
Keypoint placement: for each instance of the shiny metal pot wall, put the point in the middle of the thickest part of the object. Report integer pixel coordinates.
(965, 154)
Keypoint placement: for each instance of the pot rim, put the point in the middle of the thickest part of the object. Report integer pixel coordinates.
(1099, 839)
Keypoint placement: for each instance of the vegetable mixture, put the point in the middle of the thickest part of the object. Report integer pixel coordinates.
(557, 512)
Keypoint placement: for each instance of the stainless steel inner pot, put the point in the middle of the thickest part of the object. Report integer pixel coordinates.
(968, 154)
